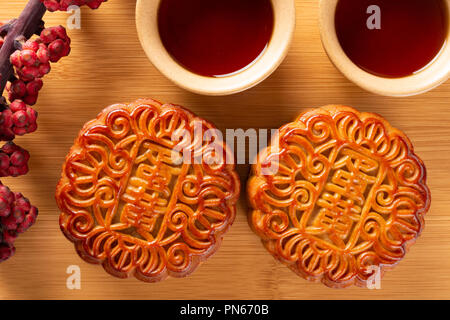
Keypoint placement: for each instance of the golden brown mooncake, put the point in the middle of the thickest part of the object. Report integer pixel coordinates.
(338, 196)
(128, 203)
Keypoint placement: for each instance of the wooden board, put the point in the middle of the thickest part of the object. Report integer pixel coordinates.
(107, 65)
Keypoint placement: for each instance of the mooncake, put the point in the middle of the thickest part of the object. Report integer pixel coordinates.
(339, 196)
(147, 191)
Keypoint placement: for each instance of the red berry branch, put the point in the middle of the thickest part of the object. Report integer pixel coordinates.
(27, 50)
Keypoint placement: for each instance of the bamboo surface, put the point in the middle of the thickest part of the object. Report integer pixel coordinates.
(107, 65)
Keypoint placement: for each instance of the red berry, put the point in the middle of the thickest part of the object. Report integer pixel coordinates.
(61, 32)
(6, 194)
(29, 73)
(13, 172)
(17, 89)
(10, 147)
(6, 251)
(4, 161)
(44, 68)
(30, 99)
(32, 115)
(31, 45)
(94, 4)
(9, 236)
(9, 222)
(22, 202)
(29, 220)
(18, 159)
(47, 35)
(66, 50)
(5, 208)
(17, 105)
(18, 213)
(20, 119)
(34, 86)
(22, 170)
(28, 58)
(6, 119)
(52, 5)
(15, 59)
(20, 131)
(32, 128)
(56, 47)
(43, 54)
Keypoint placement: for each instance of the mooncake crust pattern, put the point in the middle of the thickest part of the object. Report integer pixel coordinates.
(125, 202)
(337, 195)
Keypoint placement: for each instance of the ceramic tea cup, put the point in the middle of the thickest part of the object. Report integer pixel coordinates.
(437, 72)
(260, 69)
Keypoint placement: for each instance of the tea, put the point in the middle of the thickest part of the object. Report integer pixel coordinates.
(392, 38)
(215, 38)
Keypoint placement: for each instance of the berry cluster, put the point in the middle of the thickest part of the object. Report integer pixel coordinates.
(17, 119)
(16, 216)
(32, 62)
(26, 91)
(62, 5)
(13, 160)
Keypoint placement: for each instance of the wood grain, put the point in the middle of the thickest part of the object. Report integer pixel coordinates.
(107, 65)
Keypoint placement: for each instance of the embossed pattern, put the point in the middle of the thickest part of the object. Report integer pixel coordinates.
(345, 193)
(128, 203)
